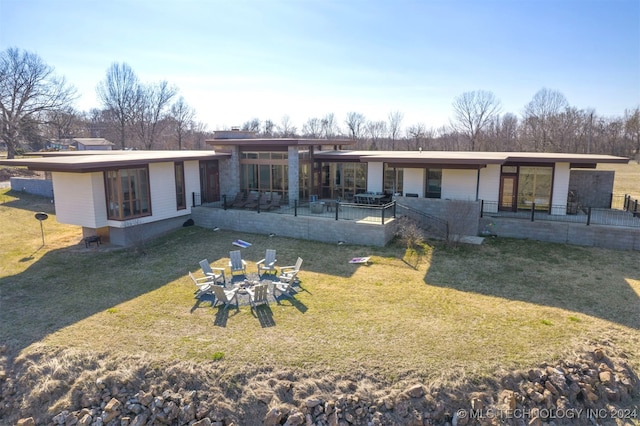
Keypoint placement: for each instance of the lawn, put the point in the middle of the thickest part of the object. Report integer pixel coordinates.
(461, 312)
(449, 317)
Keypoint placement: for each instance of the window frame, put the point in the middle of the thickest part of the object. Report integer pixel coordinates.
(118, 201)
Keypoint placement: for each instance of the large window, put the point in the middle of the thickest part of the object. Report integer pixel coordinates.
(434, 183)
(264, 172)
(534, 187)
(343, 180)
(393, 179)
(127, 193)
(181, 201)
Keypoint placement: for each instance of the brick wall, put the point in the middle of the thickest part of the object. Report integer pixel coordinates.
(301, 227)
(611, 237)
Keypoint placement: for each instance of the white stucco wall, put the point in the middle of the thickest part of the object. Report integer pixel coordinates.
(413, 182)
(80, 199)
(375, 177)
(489, 189)
(459, 184)
(560, 189)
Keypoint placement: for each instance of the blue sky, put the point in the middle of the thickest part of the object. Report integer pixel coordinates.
(236, 60)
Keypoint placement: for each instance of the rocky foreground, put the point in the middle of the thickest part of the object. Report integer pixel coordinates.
(596, 387)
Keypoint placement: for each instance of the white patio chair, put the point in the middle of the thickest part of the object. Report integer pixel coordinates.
(268, 264)
(215, 273)
(237, 263)
(226, 297)
(203, 284)
(258, 294)
(289, 274)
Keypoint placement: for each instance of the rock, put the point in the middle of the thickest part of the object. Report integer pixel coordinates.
(85, 420)
(113, 405)
(313, 402)
(605, 377)
(26, 422)
(416, 391)
(272, 417)
(295, 419)
(598, 353)
(203, 422)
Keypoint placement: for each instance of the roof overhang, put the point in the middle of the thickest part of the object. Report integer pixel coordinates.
(93, 161)
(465, 159)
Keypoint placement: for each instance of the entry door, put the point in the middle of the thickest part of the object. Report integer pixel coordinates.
(508, 186)
(209, 183)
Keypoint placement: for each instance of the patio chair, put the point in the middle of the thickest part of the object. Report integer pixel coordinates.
(274, 203)
(252, 201)
(215, 273)
(258, 294)
(238, 201)
(237, 263)
(267, 264)
(281, 288)
(289, 274)
(203, 285)
(226, 297)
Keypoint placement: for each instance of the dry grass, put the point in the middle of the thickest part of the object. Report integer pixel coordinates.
(463, 311)
(627, 180)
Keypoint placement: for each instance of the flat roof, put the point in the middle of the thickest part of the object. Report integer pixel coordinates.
(467, 158)
(267, 142)
(91, 161)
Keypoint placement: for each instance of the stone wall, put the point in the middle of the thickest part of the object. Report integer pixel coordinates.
(42, 187)
(592, 388)
(593, 187)
(611, 237)
(461, 215)
(301, 227)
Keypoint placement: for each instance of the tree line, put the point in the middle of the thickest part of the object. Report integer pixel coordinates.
(37, 106)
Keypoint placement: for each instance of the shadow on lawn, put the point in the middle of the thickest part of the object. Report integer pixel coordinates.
(568, 277)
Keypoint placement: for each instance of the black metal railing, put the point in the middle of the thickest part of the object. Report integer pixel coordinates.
(561, 213)
(433, 225)
(330, 209)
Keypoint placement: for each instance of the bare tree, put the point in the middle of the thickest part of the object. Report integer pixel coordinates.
(416, 136)
(62, 123)
(268, 128)
(539, 116)
(632, 129)
(287, 129)
(182, 115)
(395, 123)
(329, 126)
(150, 111)
(28, 88)
(252, 125)
(119, 93)
(376, 130)
(472, 112)
(312, 128)
(355, 124)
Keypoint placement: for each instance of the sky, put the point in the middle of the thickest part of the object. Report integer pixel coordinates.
(233, 61)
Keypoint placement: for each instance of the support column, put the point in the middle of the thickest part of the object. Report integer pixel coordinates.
(294, 174)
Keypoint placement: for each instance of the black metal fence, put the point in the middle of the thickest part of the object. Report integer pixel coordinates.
(330, 209)
(625, 216)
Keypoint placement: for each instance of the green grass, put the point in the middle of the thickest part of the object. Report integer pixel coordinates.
(445, 312)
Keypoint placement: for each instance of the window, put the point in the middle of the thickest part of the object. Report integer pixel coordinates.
(181, 200)
(393, 177)
(127, 193)
(534, 186)
(434, 183)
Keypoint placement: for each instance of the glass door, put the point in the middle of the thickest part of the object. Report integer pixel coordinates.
(508, 185)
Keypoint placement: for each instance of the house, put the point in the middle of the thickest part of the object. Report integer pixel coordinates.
(300, 168)
(127, 195)
(84, 144)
